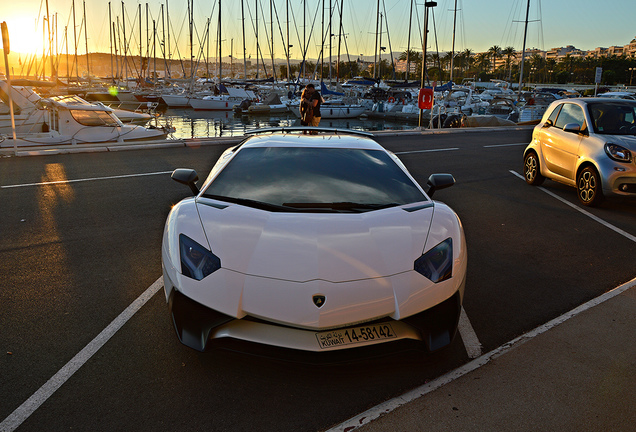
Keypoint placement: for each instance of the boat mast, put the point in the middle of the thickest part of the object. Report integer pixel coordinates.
(110, 30)
(288, 45)
(75, 43)
(154, 49)
(207, 50)
(141, 62)
(123, 21)
(220, 56)
(408, 45)
(304, 39)
(330, 39)
(523, 53)
(340, 28)
(256, 39)
(66, 43)
(271, 34)
(243, 29)
(48, 24)
(169, 52)
(163, 41)
(453, 49)
(148, 40)
(88, 66)
(375, 54)
(190, 22)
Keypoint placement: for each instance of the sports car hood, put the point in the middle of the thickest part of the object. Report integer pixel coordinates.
(301, 247)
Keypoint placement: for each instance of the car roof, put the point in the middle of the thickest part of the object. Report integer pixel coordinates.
(321, 140)
(587, 100)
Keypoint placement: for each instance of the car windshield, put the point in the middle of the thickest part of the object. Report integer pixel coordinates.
(314, 180)
(613, 118)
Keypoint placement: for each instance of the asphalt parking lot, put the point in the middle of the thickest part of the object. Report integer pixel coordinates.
(80, 243)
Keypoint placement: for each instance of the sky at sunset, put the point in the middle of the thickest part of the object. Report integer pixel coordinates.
(480, 24)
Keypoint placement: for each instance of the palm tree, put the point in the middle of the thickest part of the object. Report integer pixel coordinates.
(467, 59)
(483, 61)
(495, 51)
(509, 53)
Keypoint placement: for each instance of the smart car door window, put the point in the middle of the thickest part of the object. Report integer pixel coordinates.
(570, 113)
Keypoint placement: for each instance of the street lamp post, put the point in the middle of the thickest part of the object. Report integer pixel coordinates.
(631, 69)
(427, 5)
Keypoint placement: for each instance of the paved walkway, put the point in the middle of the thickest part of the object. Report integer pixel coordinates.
(576, 373)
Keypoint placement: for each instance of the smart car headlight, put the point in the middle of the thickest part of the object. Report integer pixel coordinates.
(196, 261)
(618, 153)
(437, 263)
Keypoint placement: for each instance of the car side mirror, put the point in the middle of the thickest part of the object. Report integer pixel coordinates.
(438, 181)
(572, 127)
(187, 177)
(548, 123)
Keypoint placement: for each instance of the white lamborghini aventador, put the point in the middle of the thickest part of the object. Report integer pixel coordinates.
(313, 242)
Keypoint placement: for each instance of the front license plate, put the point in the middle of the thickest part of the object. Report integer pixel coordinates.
(355, 335)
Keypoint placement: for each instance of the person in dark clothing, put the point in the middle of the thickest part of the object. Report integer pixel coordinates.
(316, 100)
(306, 108)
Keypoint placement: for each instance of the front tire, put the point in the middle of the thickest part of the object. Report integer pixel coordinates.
(588, 187)
(532, 170)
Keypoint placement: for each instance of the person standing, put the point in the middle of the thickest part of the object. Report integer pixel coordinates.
(316, 100)
(306, 108)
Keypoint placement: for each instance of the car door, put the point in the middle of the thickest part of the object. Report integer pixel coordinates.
(560, 148)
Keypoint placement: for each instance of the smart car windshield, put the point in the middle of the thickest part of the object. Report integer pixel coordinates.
(314, 180)
(613, 118)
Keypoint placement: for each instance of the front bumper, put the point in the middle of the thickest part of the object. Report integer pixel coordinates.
(196, 325)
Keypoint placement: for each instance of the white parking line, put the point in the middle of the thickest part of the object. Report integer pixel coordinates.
(24, 411)
(427, 151)
(585, 212)
(85, 179)
(392, 404)
(506, 145)
(469, 337)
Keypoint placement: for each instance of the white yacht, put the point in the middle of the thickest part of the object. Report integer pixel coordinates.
(72, 120)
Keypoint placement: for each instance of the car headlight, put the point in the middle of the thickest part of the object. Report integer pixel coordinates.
(196, 261)
(618, 153)
(437, 263)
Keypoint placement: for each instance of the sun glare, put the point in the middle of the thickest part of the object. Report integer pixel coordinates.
(24, 37)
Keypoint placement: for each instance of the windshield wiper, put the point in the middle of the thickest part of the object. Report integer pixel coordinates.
(340, 206)
(247, 202)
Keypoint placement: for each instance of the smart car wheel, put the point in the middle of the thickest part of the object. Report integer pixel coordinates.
(588, 187)
(531, 169)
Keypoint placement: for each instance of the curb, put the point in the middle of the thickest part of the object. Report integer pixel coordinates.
(42, 150)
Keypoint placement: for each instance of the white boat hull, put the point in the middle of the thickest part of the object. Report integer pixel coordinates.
(213, 104)
(176, 101)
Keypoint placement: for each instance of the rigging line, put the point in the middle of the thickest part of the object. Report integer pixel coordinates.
(313, 23)
(439, 60)
(175, 40)
(419, 25)
(268, 40)
(347, 48)
(388, 36)
(296, 28)
(258, 47)
(206, 34)
(281, 31)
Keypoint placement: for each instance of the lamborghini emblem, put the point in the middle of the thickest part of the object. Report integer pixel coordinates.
(319, 300)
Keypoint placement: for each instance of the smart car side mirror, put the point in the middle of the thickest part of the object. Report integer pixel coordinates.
(572, 127)
(438, 181)
(548, 123)
(187, 177)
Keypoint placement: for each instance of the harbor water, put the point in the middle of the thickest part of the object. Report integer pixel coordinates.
(189, 123)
